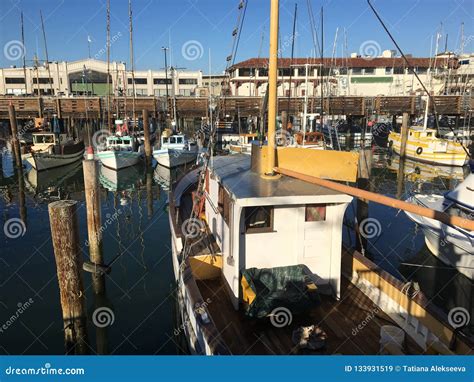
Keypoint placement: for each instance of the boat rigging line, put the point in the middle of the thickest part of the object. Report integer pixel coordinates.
(413, 71)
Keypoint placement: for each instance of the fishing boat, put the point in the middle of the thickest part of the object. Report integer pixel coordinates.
(242, 143)
(451, 244)
(260, 267)
(50, 150)
(120, 152)
(423, 145)
(425, 172)
(175, 150)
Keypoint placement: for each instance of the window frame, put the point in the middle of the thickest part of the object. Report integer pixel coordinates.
(269, 229)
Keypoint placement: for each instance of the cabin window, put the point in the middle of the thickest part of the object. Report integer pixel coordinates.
(179, 140)
(118, 142)
(44, 139)
(224, 204)
(173, 140)
(165, 140)
(315, 213)
(258, 219)
(429, 134)
(126, 141)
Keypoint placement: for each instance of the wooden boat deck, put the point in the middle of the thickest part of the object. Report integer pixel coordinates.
(339, 319)
(352, 324)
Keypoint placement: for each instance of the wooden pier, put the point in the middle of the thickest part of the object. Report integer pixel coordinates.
(96, 107)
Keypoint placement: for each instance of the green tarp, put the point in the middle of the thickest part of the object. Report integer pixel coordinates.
(280, 287)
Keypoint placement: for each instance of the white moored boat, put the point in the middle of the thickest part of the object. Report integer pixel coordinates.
(50, 150)
(120, 152)
(452, 245)
(175, 151)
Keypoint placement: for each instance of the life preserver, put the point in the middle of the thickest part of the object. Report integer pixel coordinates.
(419, 150)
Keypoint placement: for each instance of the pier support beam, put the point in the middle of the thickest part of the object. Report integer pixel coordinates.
(65, 237)
(404, 135)
(146, 134)
(14, 131)
(92, 194)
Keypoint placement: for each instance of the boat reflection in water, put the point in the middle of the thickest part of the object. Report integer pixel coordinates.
(423, 171)
(165, 176)
(126, 179)
(52, 183)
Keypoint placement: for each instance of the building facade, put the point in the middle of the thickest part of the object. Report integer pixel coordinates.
(362, 76)
(89, 77)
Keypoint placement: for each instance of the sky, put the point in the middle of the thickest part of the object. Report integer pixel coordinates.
(199, 32)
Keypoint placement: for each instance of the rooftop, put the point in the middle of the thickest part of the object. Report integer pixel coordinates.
(351, 62)
(235, 174)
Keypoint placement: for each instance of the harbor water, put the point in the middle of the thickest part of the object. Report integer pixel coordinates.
(139, 294)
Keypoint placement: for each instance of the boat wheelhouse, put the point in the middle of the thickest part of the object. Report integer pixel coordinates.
(50, 150)
(120, 152)
(176, 150)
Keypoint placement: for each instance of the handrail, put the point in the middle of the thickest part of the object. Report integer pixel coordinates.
(382, 199)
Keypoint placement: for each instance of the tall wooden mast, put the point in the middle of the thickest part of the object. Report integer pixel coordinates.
(109, 117)
(272, 85)
(132, 62)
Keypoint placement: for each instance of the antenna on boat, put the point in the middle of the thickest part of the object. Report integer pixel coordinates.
(24, 50)
(46, 53)
(413, 71)
(109, 118)
(132, 62)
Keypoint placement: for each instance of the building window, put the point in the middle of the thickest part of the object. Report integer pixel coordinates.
(263, 72)
(246, 72)
(258, 219)
(188, 81)
(399, 70)
(161, 81)
(315, 213)
(14, 80)
(284, 72)
(356, 71)
(369, 71)
(138, 81)
(185, 92)
(422, 70)
(343, 71)
(388, 71)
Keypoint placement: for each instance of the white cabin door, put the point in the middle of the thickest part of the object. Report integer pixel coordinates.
(315, 234)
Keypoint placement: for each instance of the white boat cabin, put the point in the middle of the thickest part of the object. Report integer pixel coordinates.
(46, 141)
(270, 223)
(124, 143)
(176, 142)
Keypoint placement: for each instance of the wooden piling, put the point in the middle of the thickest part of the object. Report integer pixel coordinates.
(284, 120)
(65, 237)
(92, 194)
(146, 134)
(14, 132)
(363, 183)
(149, 191)
(404, 135)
